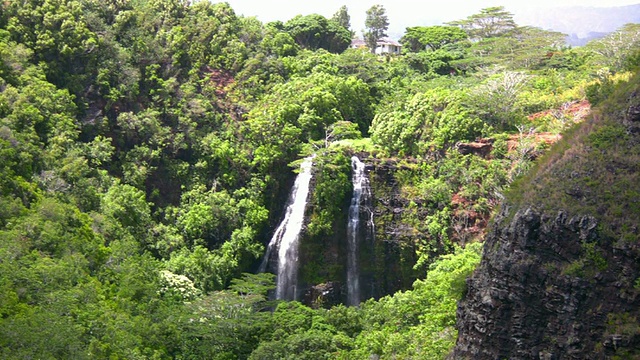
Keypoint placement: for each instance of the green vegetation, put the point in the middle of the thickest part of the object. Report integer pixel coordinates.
(147, 148)
(589, 264)
(604, 139)
(415, 323)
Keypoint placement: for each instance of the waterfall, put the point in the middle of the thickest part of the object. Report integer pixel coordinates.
(287, 235)
(360, 187)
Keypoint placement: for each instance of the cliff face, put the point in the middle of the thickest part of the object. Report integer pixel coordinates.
(386, 254)
(560, 274)
(549, 287)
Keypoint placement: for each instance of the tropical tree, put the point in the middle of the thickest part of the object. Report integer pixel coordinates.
(490, 22)
(614, 49)
(342, 17)
(317, 32)
(526, 47)
(419, 38)
(496, 101)
(59, 35)
(376, 25)
(433, 118)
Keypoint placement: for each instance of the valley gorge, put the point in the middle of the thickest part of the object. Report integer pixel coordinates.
(555, 283)
(179, 180)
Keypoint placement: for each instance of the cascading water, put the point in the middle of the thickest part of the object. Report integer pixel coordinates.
(360, 187)
(286, 236)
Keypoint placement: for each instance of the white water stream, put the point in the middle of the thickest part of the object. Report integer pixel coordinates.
(287, 235)
(360, 186)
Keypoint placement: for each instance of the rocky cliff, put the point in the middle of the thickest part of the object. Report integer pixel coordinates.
(386, 253)
(550, 287)
(560, 274)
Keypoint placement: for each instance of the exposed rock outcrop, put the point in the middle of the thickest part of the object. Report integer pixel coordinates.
(549, 287)
(484, 147)
(324, 295)
(481, 147)
(632, 119)
(387, 257)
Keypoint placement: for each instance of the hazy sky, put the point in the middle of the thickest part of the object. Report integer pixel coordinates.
(401, 13)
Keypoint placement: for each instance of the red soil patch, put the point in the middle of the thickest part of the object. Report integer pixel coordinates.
(543, 137)
(220, 79)
(576, 110)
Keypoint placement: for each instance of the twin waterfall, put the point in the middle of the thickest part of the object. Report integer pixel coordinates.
(287, 235)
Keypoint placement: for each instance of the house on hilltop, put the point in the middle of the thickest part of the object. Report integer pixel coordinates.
(388, 46)
(384, 46)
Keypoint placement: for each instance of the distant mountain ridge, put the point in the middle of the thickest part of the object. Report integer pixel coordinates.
(580, 23)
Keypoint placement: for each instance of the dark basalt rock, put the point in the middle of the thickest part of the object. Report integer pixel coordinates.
(632, 118)
(324, 295)
(386, 256)
(480, 148)
(525, 301)
(633, 113)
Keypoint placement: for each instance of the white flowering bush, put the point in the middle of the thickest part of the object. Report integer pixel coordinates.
(179, 285)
